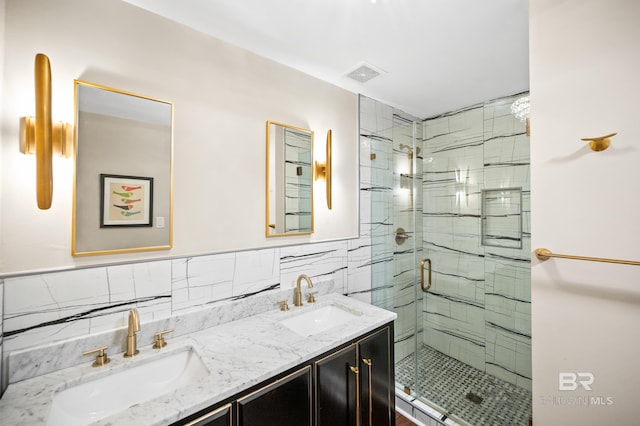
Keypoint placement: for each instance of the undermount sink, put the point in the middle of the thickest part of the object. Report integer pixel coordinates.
(107, 395)
(317, 320)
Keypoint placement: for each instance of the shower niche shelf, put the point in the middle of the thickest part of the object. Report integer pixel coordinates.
(502, 217)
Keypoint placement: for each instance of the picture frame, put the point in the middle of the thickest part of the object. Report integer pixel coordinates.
(125, 201)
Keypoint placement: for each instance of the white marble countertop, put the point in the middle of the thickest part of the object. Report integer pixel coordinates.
(238, 355)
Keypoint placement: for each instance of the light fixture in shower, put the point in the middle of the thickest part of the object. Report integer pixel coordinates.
(364, 72)
(520, 109)
(462, 180)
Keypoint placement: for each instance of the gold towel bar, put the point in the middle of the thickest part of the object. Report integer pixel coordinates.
(544, 254)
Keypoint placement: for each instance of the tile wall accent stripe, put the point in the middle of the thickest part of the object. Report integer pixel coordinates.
(90, 313)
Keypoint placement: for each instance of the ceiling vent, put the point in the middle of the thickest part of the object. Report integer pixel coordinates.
(365, 72)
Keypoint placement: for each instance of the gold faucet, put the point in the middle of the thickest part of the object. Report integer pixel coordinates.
(297, 293)
(134, 326)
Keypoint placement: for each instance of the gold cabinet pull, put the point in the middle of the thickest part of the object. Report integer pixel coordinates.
(369, 363)
(355, 371)
(422, 263)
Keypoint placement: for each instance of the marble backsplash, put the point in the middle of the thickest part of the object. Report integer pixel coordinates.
(51, 318)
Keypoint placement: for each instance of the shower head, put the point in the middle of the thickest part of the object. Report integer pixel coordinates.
(410, 149)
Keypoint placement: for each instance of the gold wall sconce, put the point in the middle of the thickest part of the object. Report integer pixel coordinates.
(40, 136)
(323, 170)
(600, 143)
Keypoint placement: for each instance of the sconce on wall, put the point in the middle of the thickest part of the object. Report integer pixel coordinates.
(323, 170)
(39, 136)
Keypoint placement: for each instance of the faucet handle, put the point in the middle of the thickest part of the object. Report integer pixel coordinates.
(284, 305)
(101, 358)
(160, 342)
(311, 297)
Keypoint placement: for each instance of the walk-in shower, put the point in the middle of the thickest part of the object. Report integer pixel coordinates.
(449, 200)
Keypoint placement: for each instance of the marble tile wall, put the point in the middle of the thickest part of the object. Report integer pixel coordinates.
(376, 188)
(392, 186)
(479, 308)
(382, 131)
(453, 177)
(47, 308)
(507, 270)
(407, 196)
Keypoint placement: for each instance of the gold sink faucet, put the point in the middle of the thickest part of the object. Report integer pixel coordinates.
(297, 293)
(134, 326)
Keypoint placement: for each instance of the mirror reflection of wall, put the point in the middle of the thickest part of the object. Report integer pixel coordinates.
(289, 180)
(123, 159)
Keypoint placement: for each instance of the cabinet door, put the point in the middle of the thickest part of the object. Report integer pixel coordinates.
(376, 375)
(218, 417)
(336, 388)
(285, 402)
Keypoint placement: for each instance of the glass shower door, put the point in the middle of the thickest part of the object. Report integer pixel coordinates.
(462, 346)
(474, 355)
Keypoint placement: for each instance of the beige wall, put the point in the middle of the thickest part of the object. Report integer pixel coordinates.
(222, 95)
(585, 62)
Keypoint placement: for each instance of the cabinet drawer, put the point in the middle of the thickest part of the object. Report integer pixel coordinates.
(284, 402)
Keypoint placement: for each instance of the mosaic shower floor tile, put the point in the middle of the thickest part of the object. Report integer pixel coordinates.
(465, 392)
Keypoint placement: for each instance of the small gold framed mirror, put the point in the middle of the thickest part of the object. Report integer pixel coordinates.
(122, 192)
(289, 180)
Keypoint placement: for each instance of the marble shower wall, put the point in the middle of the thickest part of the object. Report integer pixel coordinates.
(478, 310)
(407, 214)
(390, 186)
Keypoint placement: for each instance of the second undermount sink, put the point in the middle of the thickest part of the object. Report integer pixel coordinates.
(107, 395)
(317, 320)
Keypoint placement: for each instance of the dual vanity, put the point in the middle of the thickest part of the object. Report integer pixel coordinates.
(323, 363)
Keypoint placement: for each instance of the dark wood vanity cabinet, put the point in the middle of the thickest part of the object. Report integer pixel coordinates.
(287, 401)
(336, 387)
(220, 416)
(351, 385)
(354, 385)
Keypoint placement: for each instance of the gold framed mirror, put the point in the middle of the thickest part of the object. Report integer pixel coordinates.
(289, 180)
(123, 154)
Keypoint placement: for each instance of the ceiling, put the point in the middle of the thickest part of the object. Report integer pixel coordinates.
(434, 56)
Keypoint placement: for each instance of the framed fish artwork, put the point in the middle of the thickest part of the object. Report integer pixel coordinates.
(126, 200)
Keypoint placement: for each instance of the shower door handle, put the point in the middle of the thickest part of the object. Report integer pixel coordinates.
(422, 262)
